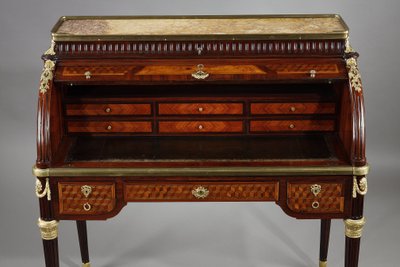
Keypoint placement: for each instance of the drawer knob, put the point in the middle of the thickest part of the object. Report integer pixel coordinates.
(292, 109)
(291, 126)
(108, 110)
(86, 190)
(109, 127)
(315, 205)
(313, 73)
(200, 74)
(88, 75)
(316, 189)
(200, 192)
(87, 206)
(201, 109)
(201, 127)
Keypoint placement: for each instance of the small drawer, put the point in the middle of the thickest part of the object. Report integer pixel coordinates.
(266, 191)
(109, 127)
(292, 108)
(200, 126)
(315, 197)
(200, 109)
(291, 125)
(86, 198)
(107, 109)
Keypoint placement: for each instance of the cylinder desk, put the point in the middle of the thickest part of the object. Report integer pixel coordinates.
(201, 108)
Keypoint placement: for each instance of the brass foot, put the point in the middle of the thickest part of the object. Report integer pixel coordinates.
(323, 263)
(86, 264)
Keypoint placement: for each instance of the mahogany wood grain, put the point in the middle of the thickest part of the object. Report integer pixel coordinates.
(292, 108)
(200, 126)
(107, 109)
(200, 108)
(109, 126)
(291, 125)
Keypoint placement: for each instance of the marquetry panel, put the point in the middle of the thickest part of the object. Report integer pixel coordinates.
(303, 68)
(172, 70)
(325, 205)
(109, 127)
(93, 72)
(291, 125)
(200, 109)
(267, 191)
(107, 109)
(292, 108)
(200, 126)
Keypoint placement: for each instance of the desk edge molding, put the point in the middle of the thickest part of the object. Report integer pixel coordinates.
(203, 171)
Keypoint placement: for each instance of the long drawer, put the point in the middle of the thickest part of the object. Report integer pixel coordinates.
(200, 108)
(107, 109)
(291, 125)
(109, 127)
(202, 191)
(200, 126)
(292, 108)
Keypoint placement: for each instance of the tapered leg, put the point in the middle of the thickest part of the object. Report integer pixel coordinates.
(324, 242)
(47, 225)
(353, 234)
(83, 242)
(355, 224)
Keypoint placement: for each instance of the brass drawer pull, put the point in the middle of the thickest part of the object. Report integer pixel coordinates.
(201, 109)
(108, 110)
(88, 75)
(109, 127)
(315, 205)
(201, 127)
(200, 74)
(313, 73)
(315, 189)
(292, 109)
(86, 190)
(87, 206)
(291, 126)
(200, 192)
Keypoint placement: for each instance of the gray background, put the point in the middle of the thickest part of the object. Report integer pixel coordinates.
(183, 235)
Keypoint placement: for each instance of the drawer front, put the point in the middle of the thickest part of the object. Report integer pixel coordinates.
(107, 109)
(267, 191)
(292, 108)
(109, 127)
(291, 125)
(315, 198)
(200, 109)
(200, 126)
(86, 198)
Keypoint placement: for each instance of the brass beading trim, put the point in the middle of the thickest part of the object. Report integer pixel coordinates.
(354, 228)
(48, 229)
(199, 171)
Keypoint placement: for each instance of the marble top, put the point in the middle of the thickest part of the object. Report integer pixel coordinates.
(198, 27)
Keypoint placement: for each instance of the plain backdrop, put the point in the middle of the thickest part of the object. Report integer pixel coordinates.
(197, 235)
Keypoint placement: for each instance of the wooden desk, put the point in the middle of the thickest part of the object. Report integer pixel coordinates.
(250, 108)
